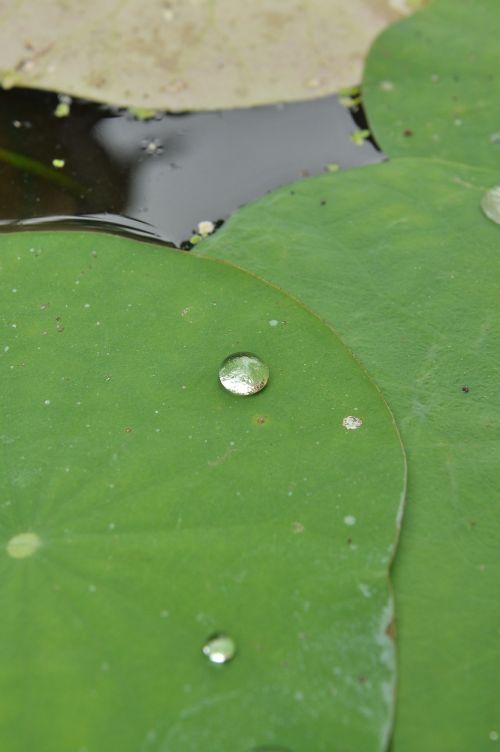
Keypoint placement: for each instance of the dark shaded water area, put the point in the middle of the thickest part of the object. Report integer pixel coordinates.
(102, 168)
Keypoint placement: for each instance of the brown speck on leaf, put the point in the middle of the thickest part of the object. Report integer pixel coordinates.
(128, 429)
(465, 389)
(60, 328)
(472, 523)
(390, 630)
(323, 203)
(407, 132)
(261, 420)
(362, 679)
(349, 541)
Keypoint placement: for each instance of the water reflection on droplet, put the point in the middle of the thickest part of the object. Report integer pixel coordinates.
(351, 422)
(219, 648)
(490, 204)
(243, 374)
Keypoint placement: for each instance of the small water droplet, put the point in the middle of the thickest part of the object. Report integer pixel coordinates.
(494, 736)
(219, 648)
(349, 519)
(243, 374)
(351, 422)
(490, 204)
(23, 545)
(46, 402)
(273, 322)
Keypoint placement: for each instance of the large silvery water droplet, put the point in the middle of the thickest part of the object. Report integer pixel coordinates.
(490, 204)
(243, 374)
(219, 648)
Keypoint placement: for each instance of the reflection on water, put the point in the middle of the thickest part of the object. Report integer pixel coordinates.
(163, 176)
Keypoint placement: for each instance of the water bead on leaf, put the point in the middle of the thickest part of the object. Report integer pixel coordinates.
(243, 374)
(490, 204)
(219, 648)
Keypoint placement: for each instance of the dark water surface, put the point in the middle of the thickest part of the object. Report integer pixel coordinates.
(162, 176)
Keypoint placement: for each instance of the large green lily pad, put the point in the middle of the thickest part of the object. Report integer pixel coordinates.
(143, 508)
(401, 259)
(191, 54)
(431, 84)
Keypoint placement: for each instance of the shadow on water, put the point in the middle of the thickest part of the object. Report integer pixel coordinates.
(158, 178)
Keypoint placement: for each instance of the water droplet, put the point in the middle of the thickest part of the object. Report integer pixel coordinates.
(351, 422)
(273, 322)
(494, 736)
(23, 545)
(349, 519)
(243, 374)
(46, 402)
(490, 204)
(219, 648)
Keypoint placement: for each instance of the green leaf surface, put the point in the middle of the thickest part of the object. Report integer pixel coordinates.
(400, 258)
(144, 508)
(431, 84)
(196, 55)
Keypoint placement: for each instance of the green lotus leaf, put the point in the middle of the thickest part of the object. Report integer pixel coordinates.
(431, 86)
(402, 260)
(153, 524)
